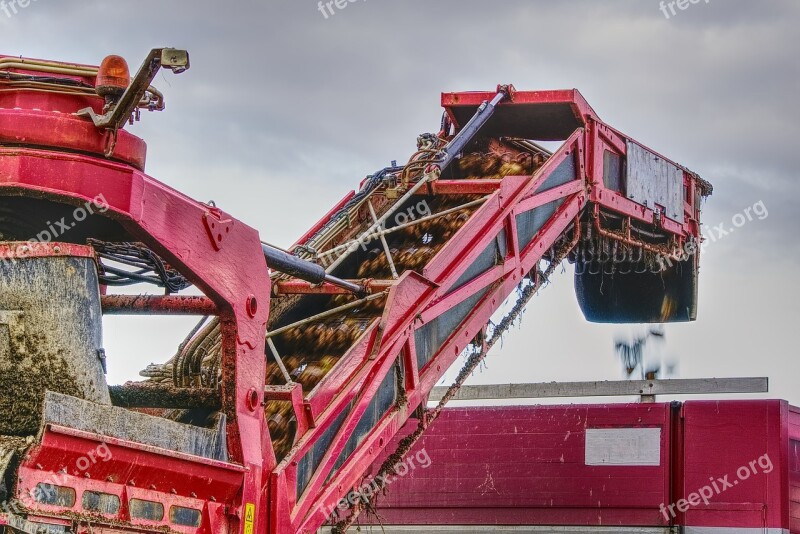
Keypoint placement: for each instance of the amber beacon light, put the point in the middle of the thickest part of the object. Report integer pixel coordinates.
(113, 77)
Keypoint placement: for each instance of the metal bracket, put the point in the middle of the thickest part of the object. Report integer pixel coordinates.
(170, 58)
(216, 227)
(101, 355)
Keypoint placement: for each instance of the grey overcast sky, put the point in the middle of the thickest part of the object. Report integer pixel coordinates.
(285, 110)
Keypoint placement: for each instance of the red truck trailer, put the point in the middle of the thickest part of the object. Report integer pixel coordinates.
(697, 467)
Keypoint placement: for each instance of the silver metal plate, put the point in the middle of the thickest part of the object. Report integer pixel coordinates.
(653, 180)
(623, 446)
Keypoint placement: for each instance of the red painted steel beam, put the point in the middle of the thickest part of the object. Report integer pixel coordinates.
(572, 97)
(157, 305)
(20, 250)
(138, 202)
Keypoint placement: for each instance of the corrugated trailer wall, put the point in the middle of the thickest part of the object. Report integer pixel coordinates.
(736, 452)
(705, 466)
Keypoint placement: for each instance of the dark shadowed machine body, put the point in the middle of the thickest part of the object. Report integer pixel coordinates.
(305, 362)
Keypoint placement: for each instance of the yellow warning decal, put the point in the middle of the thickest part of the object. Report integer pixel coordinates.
(249, 517)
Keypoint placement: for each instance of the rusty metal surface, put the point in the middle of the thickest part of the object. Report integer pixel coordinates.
(157, 305)
(19, 250)
(120, 423)
(50, 337)
(146, 395)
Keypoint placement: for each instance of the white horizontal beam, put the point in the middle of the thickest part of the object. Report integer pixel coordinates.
(612, 388)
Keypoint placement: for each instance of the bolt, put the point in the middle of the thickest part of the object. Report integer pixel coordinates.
(252, 305)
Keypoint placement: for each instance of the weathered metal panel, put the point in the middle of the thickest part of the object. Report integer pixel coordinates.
(738, 450)
(653, 180)
(492, 255)
(50, 337)
(431, 336)
(127, 425)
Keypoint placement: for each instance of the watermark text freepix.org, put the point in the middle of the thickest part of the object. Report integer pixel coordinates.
(12, 7)
(47, 491)
(419, 210)
(668, 7)
(376, 484)
(58, 228)
(717, 232)
(717, 486)
(327, 8)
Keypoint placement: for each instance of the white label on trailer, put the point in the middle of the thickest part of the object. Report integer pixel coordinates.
(623, 446)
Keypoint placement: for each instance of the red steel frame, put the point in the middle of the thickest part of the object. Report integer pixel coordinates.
(180, 230)
(173, 226)
(417, 299)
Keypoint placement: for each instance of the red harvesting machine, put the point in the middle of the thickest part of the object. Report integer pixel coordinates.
(306, 361)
